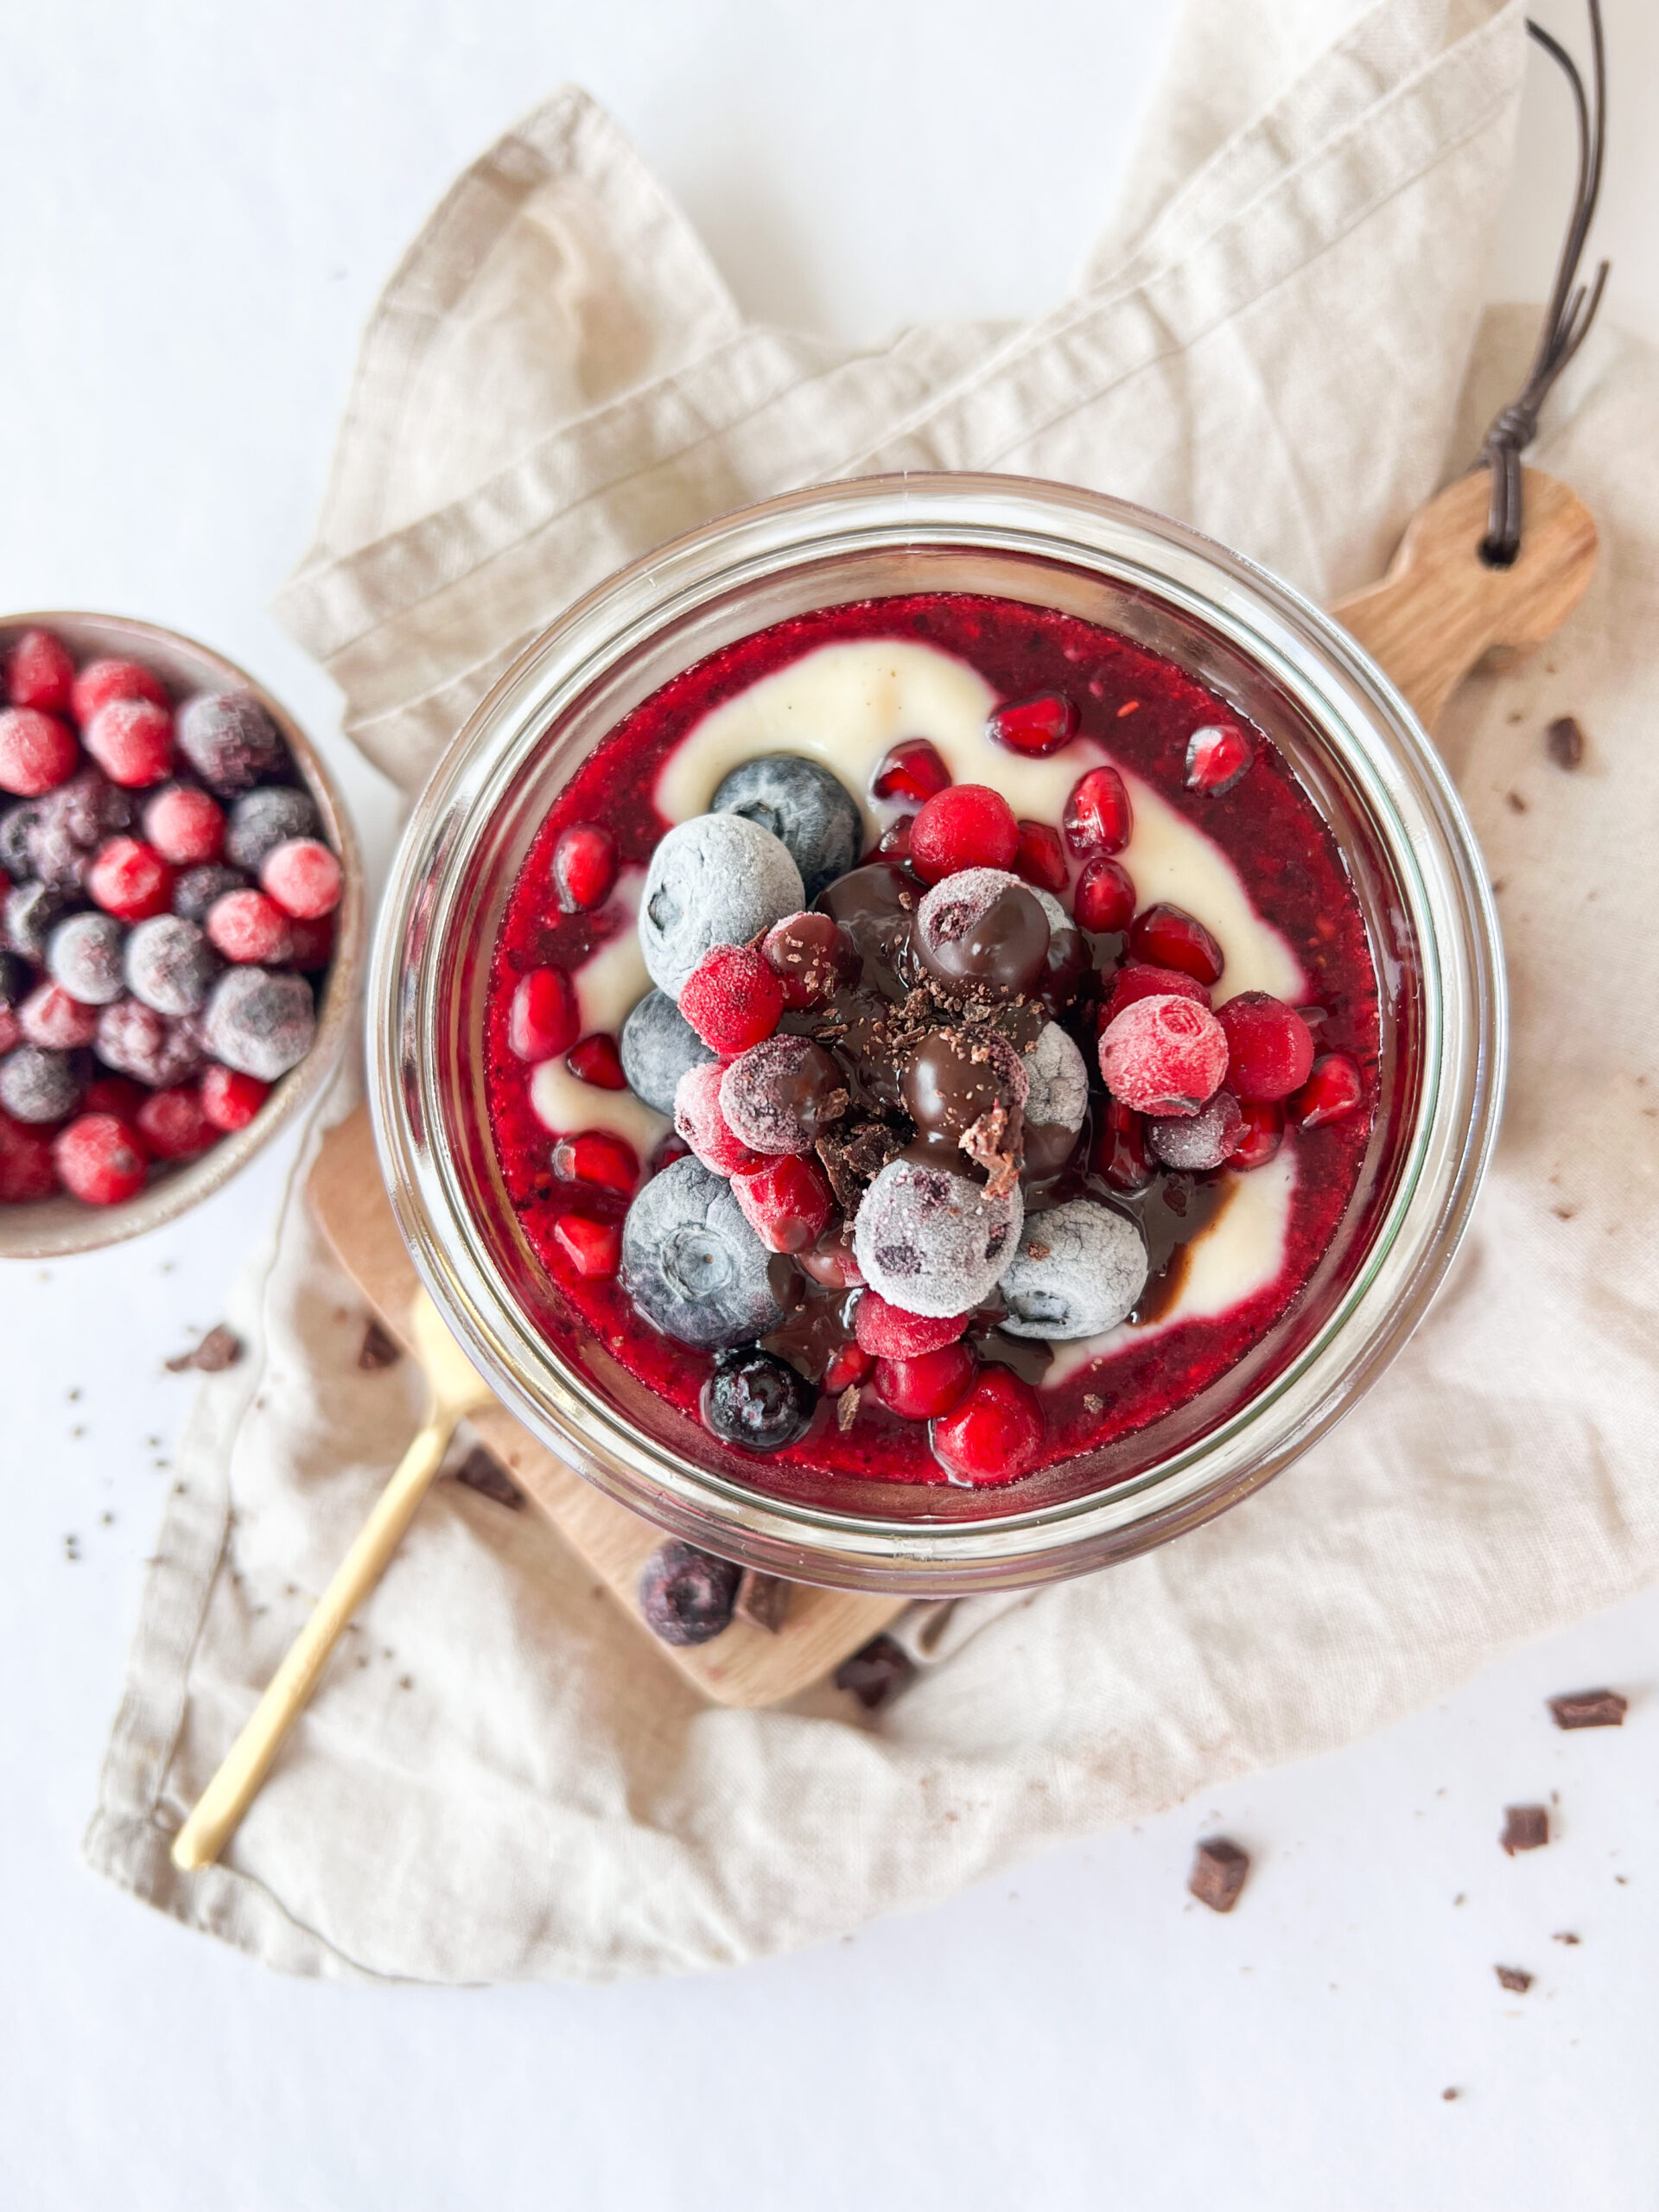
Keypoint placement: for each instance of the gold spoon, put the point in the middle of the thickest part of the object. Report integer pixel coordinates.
(456, 1392)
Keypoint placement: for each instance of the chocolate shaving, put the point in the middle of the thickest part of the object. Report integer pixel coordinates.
(763, 1600)
(1564, 742)
(1515, 1978)
(220, 1349)
(1218, 1871)
(983, 1141)
(847, 1407)
(481, 1472)
(1589, 1709)
(378, 1350)
(1564, 1936)
(1526, 1827)
(853, 1158)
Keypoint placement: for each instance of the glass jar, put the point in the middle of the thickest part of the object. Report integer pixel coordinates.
(1361, 757)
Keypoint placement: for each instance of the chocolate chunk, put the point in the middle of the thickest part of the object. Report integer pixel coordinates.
(847, 1407)
(1515, 1978)
(1526, 1827)
(1219, 1871)
(220, 1349)
(378, 1350)
(483, 1473)
(1564, 1935)
(853, 1157)
(1589, 1709)
(1449, 2096)
(763, 1600)
(1564, 742)
(877, 1674)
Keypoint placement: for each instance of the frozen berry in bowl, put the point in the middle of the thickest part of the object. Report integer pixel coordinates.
(37, 751)
(1269, 1047)
(169, 964)
(50, 1017)
(781, 1095)
(263, 819)
(757, 1401)
(131, 740)
(246, 926)
(39, 671)
(84, 954)
(732, 998)
(1164, 1056)
(970, 826)
(100, 1160)
(185, 825)
(810, 812)
(303, 877)
(130, 880)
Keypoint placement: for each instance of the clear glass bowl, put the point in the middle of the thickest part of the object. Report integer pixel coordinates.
(1360, 755)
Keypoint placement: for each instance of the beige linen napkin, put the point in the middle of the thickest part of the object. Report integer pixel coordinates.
(496, 1778)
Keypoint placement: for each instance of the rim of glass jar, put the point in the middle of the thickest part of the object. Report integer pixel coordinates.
(1429, 844)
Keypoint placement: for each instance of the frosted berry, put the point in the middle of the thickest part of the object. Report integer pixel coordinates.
(169, 964)
(1057, 1082)
(594, 1059)
(173, 1125)
(1168, 936)
(757, 1401)
(195, 890)
(718, 879)
(185, 825)
(657, 1047)
(102, 682)
(230, 741)
(33, 912)
(968, 826)
(811, 956)
(692, 1264)
(809, 811)
(1331, 1093)
(16, 823)
(131, 740)
(928, 1383)
(246, 925)
(888, 1332)
(1270, 1047)
(1262, 1131)
(260, 1023)
(788, 1202)
(1136, 981)
(1217, 756)
(37, 751)
(260, 820)
(1164, 1056)
(1098, 817)
(303, 877)
(544, 1019)
(994, 1435)
(39, 673)
(49, 1017)
(584, 866)
(1035, 727)
(69, 825)
(83, 955)
(38, 1085)
(136, 1040)
(932, 1240)
(25, 1170)
(231, 1100)
(1104, 900)
(913, 770)
(699, 1119)
(1120, 1154)
(1195, 1143)
(130, 880)
(1078, 1271)
(781, 1095)
(732, 998)
(1040, 860)
(597, 1158)
(99, 1161)
(686, 1596)
(593, 1248)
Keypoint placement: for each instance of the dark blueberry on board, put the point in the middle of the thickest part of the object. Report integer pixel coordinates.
(686, 1596)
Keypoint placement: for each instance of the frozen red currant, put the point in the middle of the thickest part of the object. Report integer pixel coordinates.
(173, 1125)
(131, 740)
(609, 1162)
(996, 1433)
(787, 1203)
(1270, 1047)
(593, 1248)
(927, 1384)
(913, 770)
(1217, 756)
(732, 998)
(1040, 860)
(848, 1366)
(185, 825)
(1098, 817)
(596, 1060)
(229, 1099)
(544, 1018)
(1168, 936)
(99, 1161)
(303, 877)
(969, 826)
(700, 1119)
(584, 866)
(891, 1333)
(1103, 901)
(37, 751)
(247, 925)
(1164, 1056)
(39, 673)
(1037, 726)
(1260, 1137)
(49, 1017)
(1331, 1093)
(102, 681)
(130, 880)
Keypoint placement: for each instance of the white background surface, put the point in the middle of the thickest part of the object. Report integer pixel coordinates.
(201, 204)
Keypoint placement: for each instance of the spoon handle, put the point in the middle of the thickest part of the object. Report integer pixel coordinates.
(232, 1789)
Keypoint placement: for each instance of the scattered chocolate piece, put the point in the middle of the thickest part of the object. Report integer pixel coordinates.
(847, 1407)
(378, 1350)
(1218, 1871)
(877, 1674)
(1589, 1709)
(763, 1600)
(1516, 1977)
(1526, 1827)
(482, 1472)
(1564, 742)
(1517, 804)
(220, 1349)
(1094, 1405)
(1450, 2097)
(1564, 1936)
(72, 1547)
(853, 1159)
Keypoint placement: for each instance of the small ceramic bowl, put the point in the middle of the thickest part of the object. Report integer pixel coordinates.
(49, 1228)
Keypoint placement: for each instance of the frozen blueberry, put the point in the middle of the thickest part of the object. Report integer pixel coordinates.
(33, 912)
(657, 1045)
(133, 1039)
(805, 808)
(692, 1264)
(37, 1086)
(14, 826)
(84, 957)
(194, 889)
(719, 879)
(229, 741)
(171, 966)
(757, 1401)
(1197, 1142)
(687, 1596)
(932, 1242)
(262, 820)
(1060, 1081)
(1078, 1271)
(16, 979)
(259, 1023)
(70, 824)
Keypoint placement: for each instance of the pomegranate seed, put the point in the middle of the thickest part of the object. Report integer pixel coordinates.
(1098, 817)
(595, 1060)
(185, 826)
(1035, 727)
(699, 1120)
(1104, 900)
(1217, 756)
(996, 1433)
(1164, 1056)
(1139, 982)
(131, 740)
(37, 751)
(1261, 1137)
(39, 673)
(893, 843)
(1331, 1093)
(913, 769)
(231, 1100)
(303, 877)
(889, 1333)
(1167, 938)
(99, 1161)
(593, 1248)
(49, 1017)
(849, 1366)
(928, 1383)
(102, 681)
(584, 866)
(598, 1158)
(129, 880)
(246, 925)
(27, 1172)
(732, 998)
(1270, 1047)
(969, 826)
(1121, 1148)
(787, 1202)
(544, 1018)
(1040, 859)
(173, 1124)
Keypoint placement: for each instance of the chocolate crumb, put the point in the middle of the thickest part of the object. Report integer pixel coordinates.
(72, 1547)
(1516, 1977)
(220, 1349)
(1517, 803)
(1589, 1709)
(1218, 1871)
(763, 1600)
(1036, 1251)
(1564, 742)
(1526, 1827)
(378, 1350)
(847, 1407)
(1449, 2096)
(482, 1472)
(877, 1674)
(1564, 1936)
